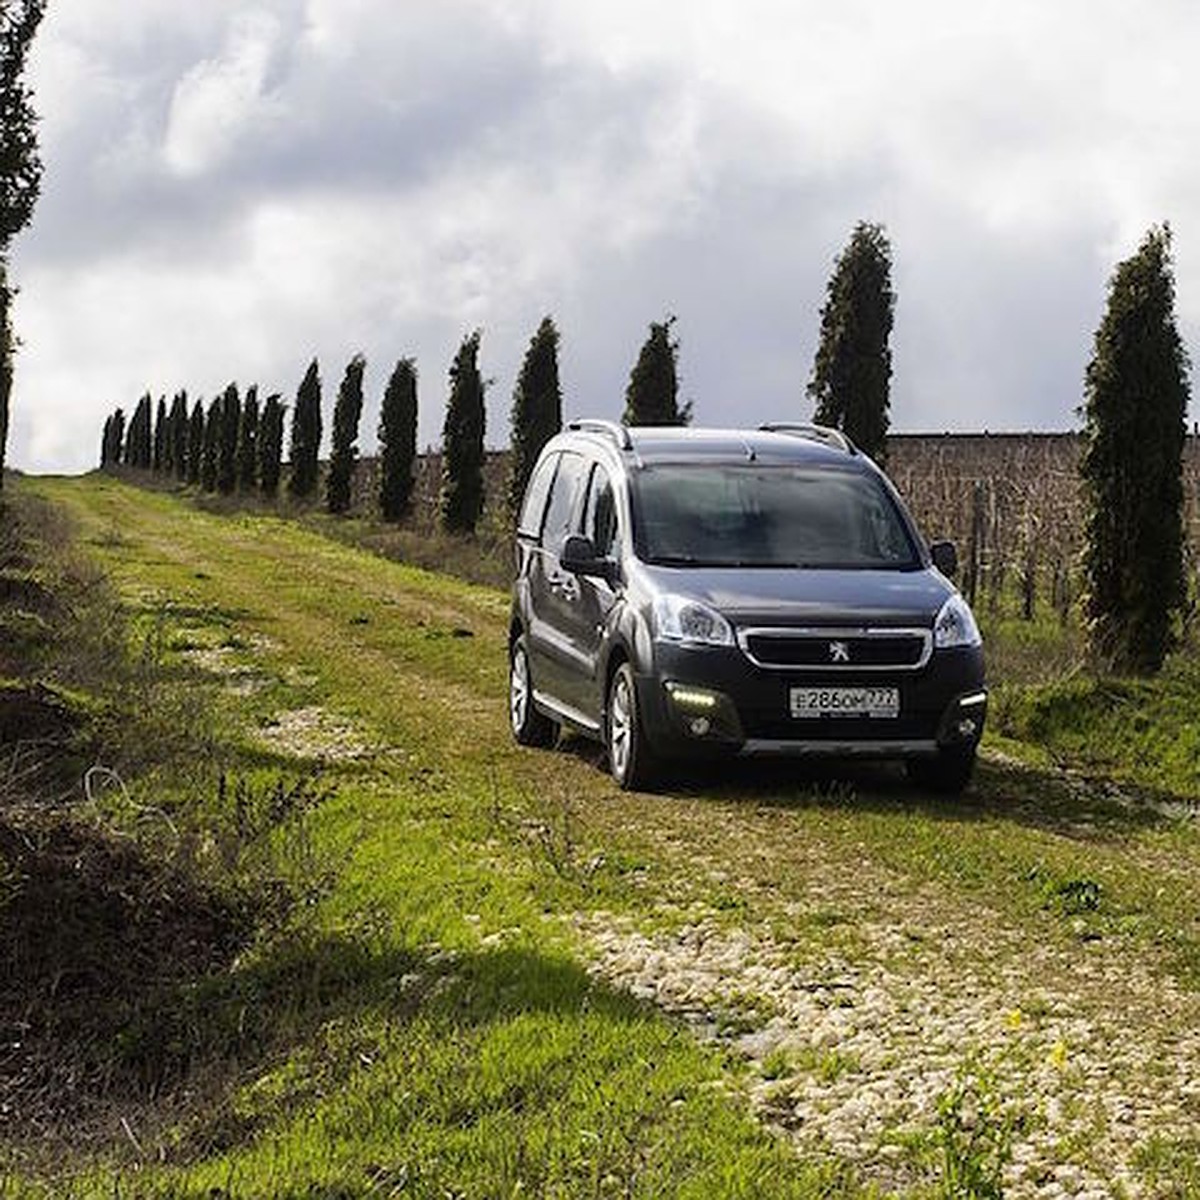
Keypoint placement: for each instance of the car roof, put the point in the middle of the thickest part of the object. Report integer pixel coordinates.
(651, 444)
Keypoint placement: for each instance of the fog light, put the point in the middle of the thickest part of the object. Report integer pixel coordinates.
(687, 697)
(701, 712)
(967, 728)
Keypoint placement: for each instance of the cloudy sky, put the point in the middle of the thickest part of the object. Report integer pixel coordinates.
(233, 188)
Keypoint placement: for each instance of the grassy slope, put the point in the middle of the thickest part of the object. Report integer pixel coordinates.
(421, 1049)
(442, 1032)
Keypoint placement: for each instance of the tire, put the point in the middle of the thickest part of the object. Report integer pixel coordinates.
(630, 759)
(529, 727)
(947, 773)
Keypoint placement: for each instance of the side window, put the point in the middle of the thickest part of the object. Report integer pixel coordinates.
(536, 491)
(600, 517)
(562, 502)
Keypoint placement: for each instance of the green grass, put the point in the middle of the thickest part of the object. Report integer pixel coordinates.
(1052, 708)
(1145, 732)
(1171, 1168)
(425, 1027)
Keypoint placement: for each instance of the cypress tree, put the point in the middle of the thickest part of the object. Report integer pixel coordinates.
(306, 434)
(462, 442)
(210, 457)
(179, 434)
(398, 441)
(195, 444)
(853, 366)
(1135, 405)
(146, 434)
(20, 172)
(160, 434)
(652, 396)
(247, 444)
(227, 440)
(536, 409)
(270, 445)
(118, 438)
(139, 437)
(129, 454)
(347, 412)
(108, 454)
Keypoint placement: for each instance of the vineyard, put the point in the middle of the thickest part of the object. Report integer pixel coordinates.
(1012, 504)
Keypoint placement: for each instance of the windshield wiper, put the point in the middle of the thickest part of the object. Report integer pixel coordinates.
(675, 560)
(690, 560)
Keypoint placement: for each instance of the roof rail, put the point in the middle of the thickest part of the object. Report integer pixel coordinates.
(618, 433)
(815, 433)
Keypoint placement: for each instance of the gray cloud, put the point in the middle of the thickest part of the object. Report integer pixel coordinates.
(232, 188)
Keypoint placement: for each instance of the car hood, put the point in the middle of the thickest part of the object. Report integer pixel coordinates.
(811, 596)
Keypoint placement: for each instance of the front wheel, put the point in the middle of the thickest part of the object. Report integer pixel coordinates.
(529, 727)
(630, 758)
(948, 772)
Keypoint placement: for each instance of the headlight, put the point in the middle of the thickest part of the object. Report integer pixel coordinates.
(955, 625)
(678, 619)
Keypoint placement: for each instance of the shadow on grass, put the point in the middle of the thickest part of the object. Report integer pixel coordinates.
(338, 1002)
(136, 1004)
(1052, 800)
(1060, 801)
(93, 937)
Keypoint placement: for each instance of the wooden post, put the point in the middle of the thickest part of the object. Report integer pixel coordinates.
(975, 546)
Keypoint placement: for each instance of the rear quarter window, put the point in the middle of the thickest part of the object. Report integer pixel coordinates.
(534, 505)
(560, 511)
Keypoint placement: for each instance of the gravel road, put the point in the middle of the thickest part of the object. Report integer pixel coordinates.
(1083, 1051)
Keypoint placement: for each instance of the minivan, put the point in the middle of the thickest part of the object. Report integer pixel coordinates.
(682, 593)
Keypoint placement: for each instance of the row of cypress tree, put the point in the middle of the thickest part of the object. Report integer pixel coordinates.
(230, 446)
(1135, 405)
(1136, 394)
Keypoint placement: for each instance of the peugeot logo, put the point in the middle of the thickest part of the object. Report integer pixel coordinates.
(839, 652)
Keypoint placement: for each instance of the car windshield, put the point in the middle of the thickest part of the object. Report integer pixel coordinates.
(767, 516)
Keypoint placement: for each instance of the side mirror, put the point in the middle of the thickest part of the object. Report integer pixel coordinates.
(579, 556)
(945, 558)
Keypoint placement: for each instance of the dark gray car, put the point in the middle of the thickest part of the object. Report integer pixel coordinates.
(687, 592)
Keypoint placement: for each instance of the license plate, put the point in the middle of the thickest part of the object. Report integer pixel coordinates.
(845, 702)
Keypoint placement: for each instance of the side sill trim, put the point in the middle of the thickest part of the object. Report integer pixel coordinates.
(565, 713)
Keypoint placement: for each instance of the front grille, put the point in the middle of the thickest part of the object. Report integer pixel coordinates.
(837, 650)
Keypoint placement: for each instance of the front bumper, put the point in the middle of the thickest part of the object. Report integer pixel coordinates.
(716, 700)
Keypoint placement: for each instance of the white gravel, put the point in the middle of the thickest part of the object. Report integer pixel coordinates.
(314, 732)
(1088, 1049)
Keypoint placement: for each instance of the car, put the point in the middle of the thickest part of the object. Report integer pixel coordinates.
(681, 593)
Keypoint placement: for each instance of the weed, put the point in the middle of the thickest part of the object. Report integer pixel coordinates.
(973, 1136)
(1071, 897)
(827, 1066)
(1171, 1168)
(777, 1064)
(833, 1064)
(550, 829)
(1078, 896)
